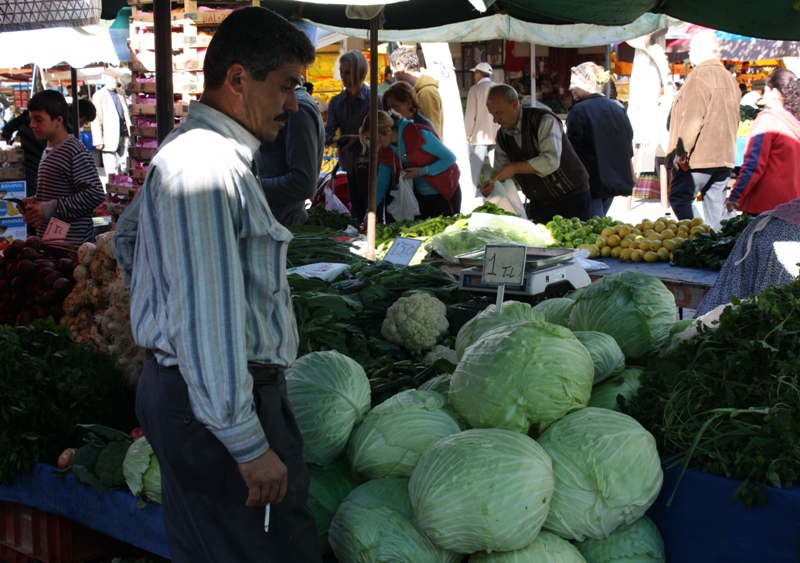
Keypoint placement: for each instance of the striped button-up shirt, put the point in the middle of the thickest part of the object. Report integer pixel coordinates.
(208, 274)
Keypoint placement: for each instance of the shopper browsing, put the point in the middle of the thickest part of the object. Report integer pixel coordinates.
(217, 321)
(68, 187)
(405, 67)
(479, 125)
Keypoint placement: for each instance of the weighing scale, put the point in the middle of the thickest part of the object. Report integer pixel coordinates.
(549, 272)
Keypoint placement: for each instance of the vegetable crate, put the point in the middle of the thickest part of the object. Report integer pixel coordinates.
(29, 533)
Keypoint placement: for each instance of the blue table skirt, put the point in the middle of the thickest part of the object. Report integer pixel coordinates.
(114, 513)
(703, 525)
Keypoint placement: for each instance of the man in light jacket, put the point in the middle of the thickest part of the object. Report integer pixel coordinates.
(478, 123)
(405, 66)
(702, 135)
(111, 128)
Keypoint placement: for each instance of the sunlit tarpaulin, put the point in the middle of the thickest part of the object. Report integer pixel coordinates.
(54, 46)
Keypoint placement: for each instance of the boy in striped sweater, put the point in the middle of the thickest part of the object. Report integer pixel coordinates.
(69, 187)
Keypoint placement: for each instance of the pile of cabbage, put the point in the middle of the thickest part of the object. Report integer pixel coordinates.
(521, 455)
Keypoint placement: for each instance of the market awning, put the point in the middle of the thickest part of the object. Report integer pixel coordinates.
(732, 46)
(16, 15)
(51, 47)
(774, 20)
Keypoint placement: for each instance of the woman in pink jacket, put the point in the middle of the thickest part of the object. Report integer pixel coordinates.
(770, 174)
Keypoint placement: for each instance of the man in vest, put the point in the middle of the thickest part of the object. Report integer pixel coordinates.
(532, 149)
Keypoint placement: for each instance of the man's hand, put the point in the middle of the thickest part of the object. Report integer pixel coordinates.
(731, 206)
(32, 213)
(505, 172)
(99, 147)
(680, 162)
(266, 479)
(486, 188)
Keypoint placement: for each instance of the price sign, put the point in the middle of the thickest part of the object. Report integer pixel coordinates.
(56, 231)
(402, 250)
(504, 265)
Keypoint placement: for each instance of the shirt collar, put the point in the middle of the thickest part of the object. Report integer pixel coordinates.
(246, 143)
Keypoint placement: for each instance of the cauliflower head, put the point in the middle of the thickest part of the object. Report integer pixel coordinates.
(415, 322)
(440, 352)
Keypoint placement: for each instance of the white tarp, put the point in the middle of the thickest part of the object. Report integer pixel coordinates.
(54, 46)
(501, 26)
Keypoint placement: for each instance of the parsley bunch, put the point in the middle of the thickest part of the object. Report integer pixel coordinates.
(728, 401)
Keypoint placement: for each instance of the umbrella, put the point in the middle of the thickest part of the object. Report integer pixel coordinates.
(733, 47)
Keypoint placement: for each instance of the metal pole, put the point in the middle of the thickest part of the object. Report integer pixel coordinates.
(162, 28)
(373, 136)
(533, 74)
(75, 119)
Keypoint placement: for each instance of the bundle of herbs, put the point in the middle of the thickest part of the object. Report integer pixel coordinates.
(728, 400)
(710, 250)
(48, 384)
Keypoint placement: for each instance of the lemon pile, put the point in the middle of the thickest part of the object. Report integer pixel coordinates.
(648, 241)
(329, 159)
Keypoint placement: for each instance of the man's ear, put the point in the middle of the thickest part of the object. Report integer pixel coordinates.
(235, 78)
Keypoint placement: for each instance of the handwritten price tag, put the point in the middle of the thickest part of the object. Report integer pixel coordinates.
(402, 251)
(504, 265)
(56, 231)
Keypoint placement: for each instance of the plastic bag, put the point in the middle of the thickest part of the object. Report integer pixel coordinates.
(582, 258)
(333, 203)
(404, 206)
(513, 228)
(506, 197)
(450, 245)
(327, 271)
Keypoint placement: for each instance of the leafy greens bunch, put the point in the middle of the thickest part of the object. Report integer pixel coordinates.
(728, 401)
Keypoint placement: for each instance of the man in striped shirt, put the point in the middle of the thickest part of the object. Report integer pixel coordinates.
(68, 186)
(210, 303)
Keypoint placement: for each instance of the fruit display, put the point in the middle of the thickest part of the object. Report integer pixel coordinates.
(648, 241)
(572, 233)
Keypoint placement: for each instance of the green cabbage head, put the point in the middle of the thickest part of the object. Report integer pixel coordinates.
(556, 310)
(520, 375)
(606, 355)
(635, 308)
(329, 485)
(607, 473)
(393, 435)
(639, 542)
(482, 490)
(488, 319)
(375, 524)
(330, 394)
(142, 471)
(546, 548)
(625, 383)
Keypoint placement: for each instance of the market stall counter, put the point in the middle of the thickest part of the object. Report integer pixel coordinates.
(114, 513)
(688, 285)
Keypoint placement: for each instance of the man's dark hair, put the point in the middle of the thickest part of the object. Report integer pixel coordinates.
(405, 58)
(85, 109)
(50, 102)
(308, 87)
(258, 39)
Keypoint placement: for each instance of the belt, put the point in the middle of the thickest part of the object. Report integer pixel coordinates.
(265, 374)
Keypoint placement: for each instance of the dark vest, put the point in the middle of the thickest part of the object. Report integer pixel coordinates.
(570, 178)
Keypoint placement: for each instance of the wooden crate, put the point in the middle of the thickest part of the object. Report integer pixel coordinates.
(144, 131)
(137, 173)
(122, 189)
(150, 109)
(142, 153)
(14, 155)
(12, 173)
(143, 87)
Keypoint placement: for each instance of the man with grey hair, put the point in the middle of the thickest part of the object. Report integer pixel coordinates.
(532, 149)
(478, 124)
(702, 135)
(212, 396)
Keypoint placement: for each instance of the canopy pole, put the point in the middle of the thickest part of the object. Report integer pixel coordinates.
(533, 74)
(73, 72)
(373, 136)
(162, 28)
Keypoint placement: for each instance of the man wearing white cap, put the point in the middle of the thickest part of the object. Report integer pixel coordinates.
(478, 123)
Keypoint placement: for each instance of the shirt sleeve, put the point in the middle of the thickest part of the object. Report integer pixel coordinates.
(575, 130)
(87, 190)
(384, 181)
(207, 300)
(550, 140)
(756, 157)
(470, 114)
(332, 123)
(124, 240)
(303, 158)
(444, 156)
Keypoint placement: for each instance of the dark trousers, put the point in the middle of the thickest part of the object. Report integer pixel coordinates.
(435, 205)
(569, 206)
(203, 492)
(711, 182)
(358, 202)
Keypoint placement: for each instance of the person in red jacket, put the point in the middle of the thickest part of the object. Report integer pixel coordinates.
(770, 174)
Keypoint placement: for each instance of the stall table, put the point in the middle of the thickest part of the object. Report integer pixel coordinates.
(688, 285)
